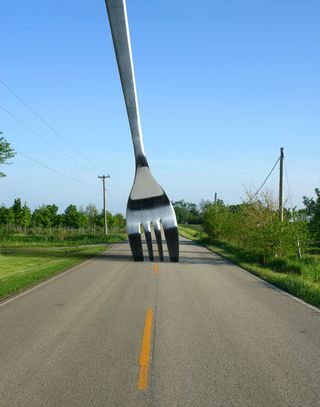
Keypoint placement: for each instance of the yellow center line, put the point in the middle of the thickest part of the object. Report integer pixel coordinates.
(144, 360)
(155, 268)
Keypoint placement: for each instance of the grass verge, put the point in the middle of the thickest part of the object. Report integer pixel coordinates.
(300, 278)
(24, 263)
(23, 267)
(59, 239)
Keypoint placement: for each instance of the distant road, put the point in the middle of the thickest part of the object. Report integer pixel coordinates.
(199, 333)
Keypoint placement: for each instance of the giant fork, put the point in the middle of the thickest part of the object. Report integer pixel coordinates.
(148, 204)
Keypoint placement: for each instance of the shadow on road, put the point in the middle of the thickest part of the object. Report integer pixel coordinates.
(109, 256)
(187, 255)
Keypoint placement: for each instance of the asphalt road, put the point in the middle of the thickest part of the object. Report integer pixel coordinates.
(199, 333)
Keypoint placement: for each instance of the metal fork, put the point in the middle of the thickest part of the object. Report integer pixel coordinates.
(148, 204)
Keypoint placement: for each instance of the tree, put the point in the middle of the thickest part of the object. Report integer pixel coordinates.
(181, 211)
(215, 220)
(40, 217)
(6, 152)
(25, 216)
(204, 205)
(6, 216)
(17, 212)
(73, 218)
(110, 220)
(92, 214)
(119, 221)
(46, 216)
(186, 212)
(312, 208)
(53, 215)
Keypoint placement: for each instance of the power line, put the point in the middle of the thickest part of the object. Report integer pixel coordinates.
(265, 180)
(44, 139)
(292, 209)
(288, 184)
(58, 150)
(64, 175)
(54, 170)
(51, 128)
(116, 197)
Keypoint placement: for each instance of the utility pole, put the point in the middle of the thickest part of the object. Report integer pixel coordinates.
(103, 178)
(281, 194)
(215, 198)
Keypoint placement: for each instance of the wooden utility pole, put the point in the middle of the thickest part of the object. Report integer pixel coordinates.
(103, 178)
(281, 193)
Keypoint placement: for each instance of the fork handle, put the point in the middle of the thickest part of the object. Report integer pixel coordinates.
(118, 20)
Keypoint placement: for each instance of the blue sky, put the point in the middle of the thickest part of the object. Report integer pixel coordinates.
(221, 86)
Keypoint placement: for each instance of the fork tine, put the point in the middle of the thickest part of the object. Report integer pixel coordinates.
(157, 231)
(172, 238)
(159, 243)
(136, 246)
(147, 233)
(149, 245)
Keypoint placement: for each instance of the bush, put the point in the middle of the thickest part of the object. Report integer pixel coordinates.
(255, 227)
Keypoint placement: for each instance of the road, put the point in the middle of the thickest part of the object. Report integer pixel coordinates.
(199, 333)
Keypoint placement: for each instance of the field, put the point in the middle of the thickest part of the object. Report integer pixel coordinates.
(26, 260)
(298, 277)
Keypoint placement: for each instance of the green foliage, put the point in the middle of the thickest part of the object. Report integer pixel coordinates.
(59, 237)
(6, 216)
(17, 212)
(109, 219)
(21, 267)
(48, 219)
(300, 277)
(255, 226)
(119, 221)
(26, 216)
(186, 212)
(312, 209)
(6, 152)
(36, 245)
(19, 215)
(215, 220)
(46, 216)
(73, 218)
(92, 214)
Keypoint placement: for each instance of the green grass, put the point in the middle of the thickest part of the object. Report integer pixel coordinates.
(58, 238)
(298, 277)
(21, 267)
(26, 260)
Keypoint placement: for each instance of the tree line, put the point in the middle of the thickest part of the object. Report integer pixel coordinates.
(21, 217)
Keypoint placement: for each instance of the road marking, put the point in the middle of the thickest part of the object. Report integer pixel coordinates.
(145, 351)
(156, 268)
